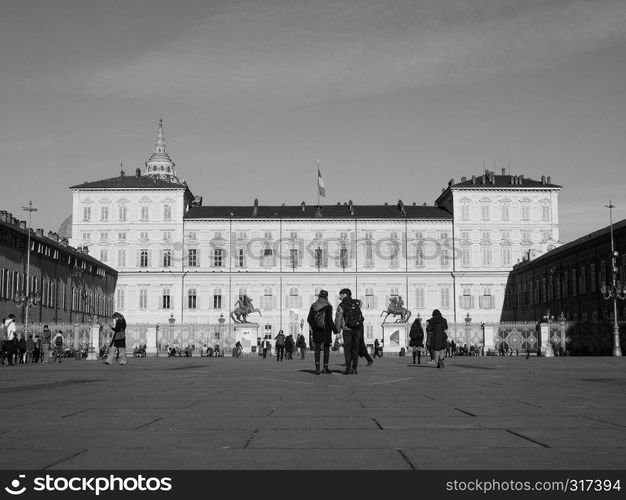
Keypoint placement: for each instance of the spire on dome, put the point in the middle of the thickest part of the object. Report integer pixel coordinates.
(160, 165)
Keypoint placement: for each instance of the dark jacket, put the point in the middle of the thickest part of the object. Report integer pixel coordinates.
(280, 339)
(119, 332)
(340, 321)
(322, 335)
(437, 327)
(416, 334)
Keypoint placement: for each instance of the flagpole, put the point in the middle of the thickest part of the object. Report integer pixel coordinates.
(318, 184)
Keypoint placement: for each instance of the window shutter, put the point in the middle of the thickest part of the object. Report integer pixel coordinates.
(211, 257)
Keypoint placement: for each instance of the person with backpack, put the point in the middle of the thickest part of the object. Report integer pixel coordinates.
(45, 343)
(57, 342)
(416, 335)
(280, 345)
(349, 321)
(320, 319)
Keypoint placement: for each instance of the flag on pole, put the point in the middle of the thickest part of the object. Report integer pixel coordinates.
(320, 182)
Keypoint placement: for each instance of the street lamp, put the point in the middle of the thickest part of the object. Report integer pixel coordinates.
(27, 299)
(615, 290)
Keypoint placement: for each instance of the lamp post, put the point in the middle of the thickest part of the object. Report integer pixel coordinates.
(27, 299)
(548, 318)
(615, 290)
(468, 320)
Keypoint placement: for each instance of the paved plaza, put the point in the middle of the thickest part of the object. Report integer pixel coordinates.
(224, 413)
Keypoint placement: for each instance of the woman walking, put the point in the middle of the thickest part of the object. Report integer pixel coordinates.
(417, 339)
(437, 326)
(118, 343)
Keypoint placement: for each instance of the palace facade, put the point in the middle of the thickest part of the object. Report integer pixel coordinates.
(179, 259)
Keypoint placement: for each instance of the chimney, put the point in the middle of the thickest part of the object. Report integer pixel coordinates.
(39, 232)
(543, 179)
(473, 179)
(549, 180)
(521, 179)
(22, 224)
(351, 206)
(503, 171)
(255, 207)
(53, 236)
(138, 173)
(303, 207)
(463, 179)
(63, 241)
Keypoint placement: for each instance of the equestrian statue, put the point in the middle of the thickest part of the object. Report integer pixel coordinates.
(244, 307)
(395, 308)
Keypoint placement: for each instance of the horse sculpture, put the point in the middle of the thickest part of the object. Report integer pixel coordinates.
(396, 308)
(245, 307)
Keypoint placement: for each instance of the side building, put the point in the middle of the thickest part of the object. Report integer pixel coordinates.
(70, 286)
(178, 259)
(569, 280)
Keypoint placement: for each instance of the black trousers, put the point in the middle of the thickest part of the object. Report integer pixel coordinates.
(351, 344)
(318, 348)
(280, 352)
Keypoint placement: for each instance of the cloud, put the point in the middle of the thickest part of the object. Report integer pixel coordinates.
(274, 50)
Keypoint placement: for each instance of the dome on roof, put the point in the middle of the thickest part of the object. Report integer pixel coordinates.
(65, 229)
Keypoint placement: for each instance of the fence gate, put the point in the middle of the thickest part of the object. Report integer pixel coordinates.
(517, 336)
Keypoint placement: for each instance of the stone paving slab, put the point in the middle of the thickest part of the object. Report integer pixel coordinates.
(250, 413)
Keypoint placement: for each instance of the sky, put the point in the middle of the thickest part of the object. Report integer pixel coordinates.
(394, 98)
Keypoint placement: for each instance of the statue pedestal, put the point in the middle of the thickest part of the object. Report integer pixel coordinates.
(247, 333)
(395, 337)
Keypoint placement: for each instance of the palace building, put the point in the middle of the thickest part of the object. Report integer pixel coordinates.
(177, 258)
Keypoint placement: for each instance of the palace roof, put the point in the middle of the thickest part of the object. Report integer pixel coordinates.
(343, 211)
(131, 182)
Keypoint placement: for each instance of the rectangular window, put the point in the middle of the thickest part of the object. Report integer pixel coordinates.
(192, 298)
(167, 236)
(506, 256)
(104, 255)
(545, 212)
(167, 258)
(120, 299)
(525, 212)
(466, 256)
(86, 213)
(505, 211)
(293, 257)
(267, 300)
(143, 298)
(466, 298)
(123, 213)
(574, 284)
(484, 212)
(166, 300)
(121, 258)
(343, 257)
(318, 257)
(86, 237)
(565, 284)
(121, 236)
(526, 237)
(167, 212)
(218, 255)
(419, 254)
(420, 294)
(143, 258)
(486, 299)
(193, 257)
(465, 211)
(445, 297)
(486, 255)
(145, 213)
(143, 235)
(241, 258)
(369, 298)
(592, 277)
(104, 213)
(217, 298)
(583, 281)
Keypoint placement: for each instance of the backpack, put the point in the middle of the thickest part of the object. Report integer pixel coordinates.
(352, 315)
(319, 320)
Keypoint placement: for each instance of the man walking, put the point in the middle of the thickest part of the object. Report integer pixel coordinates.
(320, 320)
(118, 341)
(45, 343)
(11, 342)
(349, 321)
